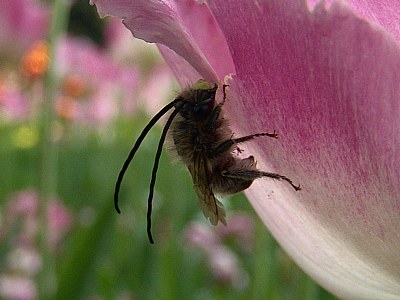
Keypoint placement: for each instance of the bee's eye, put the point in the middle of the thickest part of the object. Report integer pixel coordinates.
(203, 109)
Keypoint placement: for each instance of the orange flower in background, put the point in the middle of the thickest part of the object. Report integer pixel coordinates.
(36, 60)
(73, 86)
(66, 108)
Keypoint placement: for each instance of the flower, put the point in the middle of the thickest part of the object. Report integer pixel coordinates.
(13, 104)
(155, 78)
(222, 261)
(22, 23)
(17, 287)
(23, 208)
(324, 75)
(92, 82)
(23, 260)
(59, 221)
(35, 62)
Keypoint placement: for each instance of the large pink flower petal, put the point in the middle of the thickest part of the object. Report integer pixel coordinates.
(385, 13)
(158, 22)
(201, 24)
(328, 82)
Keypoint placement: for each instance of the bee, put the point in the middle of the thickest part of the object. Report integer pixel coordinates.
(205, 143)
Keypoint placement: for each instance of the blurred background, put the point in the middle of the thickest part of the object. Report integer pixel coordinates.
(75, 93)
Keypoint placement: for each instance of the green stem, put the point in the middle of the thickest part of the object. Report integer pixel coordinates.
(48, 175)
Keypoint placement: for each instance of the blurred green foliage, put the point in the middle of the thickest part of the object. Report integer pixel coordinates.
(108, 256)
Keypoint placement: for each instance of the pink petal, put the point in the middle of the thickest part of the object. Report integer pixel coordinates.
(386, 13)
(328, 82)
(208, 36)
(163, 22)
(184, 72)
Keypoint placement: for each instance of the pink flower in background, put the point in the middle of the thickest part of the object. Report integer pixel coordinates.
(17, 287)
(22, 22)
(23, 208)
(241, 228)
(59, 221)
(98, 83)
(23, 204)
(223, 262)
(157, 89)
(93, 83)
(326, 77)
(82, 58)
(20, 219)
(156, 79)
(13, 104)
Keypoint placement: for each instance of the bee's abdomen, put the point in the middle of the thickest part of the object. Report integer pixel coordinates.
(192, 138)
(184, 135)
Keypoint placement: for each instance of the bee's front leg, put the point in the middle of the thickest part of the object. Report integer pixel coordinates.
(214, 116)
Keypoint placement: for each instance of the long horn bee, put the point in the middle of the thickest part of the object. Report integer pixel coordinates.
(206, 144)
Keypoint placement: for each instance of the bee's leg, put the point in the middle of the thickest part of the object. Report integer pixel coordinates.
(224, 93)
(217, 111)
(250, 175)
(226, 146)
(214, 117)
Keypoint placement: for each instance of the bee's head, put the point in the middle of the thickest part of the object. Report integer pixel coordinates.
(198, 101)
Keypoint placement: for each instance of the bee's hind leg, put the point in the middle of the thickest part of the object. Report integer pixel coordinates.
(226, 146)
(251, 175)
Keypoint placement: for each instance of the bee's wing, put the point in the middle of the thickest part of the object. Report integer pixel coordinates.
(211, 207)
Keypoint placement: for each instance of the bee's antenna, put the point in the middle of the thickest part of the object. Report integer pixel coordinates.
(155, 167)
(125, 166)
